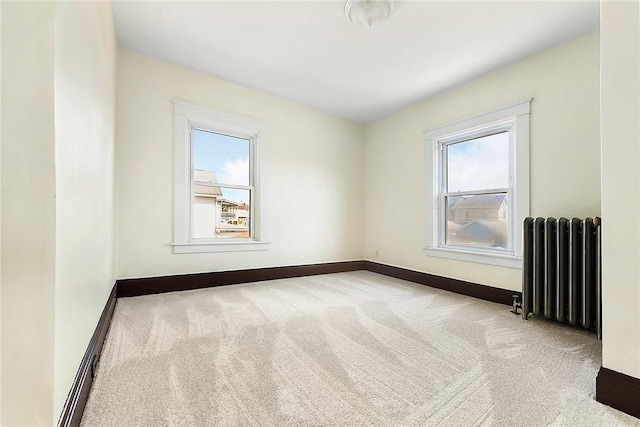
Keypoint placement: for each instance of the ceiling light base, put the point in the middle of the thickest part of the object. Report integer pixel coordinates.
(368, 14)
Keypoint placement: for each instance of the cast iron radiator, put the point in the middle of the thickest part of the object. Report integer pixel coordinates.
(562, 271)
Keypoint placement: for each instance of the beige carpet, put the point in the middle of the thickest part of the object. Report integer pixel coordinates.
(342, 349)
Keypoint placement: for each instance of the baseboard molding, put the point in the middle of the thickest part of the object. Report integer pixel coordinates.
(484, 292)
(619, 391)
(77, 398)
(183, 282)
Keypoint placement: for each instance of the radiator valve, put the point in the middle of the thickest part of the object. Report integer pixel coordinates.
(516, 305)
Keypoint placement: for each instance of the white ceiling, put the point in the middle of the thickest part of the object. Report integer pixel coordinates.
(307, 52)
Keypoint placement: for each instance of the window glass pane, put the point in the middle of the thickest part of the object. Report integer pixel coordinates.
(220, 212)
(227, 157)
(478, 164)
(478, 221)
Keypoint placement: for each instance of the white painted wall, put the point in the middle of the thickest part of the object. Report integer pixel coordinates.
(85, 92)
(58, 116)
(315, 179)
(620, 23)
(28, 215)
(564, 156)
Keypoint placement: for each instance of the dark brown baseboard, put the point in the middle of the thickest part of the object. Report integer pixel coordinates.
(484, 292)
(77, 398)
(619, 391)
(183, 282)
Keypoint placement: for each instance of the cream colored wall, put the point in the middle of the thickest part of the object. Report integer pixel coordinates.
(28, 182)
(85, 91)
(315, 178)
(58, 116)
(564, 156)
(0, 213)
(620, 23)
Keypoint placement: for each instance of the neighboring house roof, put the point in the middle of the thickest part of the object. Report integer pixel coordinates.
(228, 202)
(480, 201)
(203, 183)
(452, 227)
(497, 227)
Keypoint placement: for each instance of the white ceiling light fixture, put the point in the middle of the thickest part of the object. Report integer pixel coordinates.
(368, 13)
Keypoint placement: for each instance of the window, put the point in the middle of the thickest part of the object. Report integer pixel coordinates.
(481, 186)
(219, 165)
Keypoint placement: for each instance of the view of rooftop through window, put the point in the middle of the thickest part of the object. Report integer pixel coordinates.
(476, 199)
(221, 185)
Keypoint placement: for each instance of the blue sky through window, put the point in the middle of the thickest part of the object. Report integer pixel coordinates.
(227, 157)
(478, 164)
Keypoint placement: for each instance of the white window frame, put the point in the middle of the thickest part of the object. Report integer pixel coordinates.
(515, 119)
(187, 118)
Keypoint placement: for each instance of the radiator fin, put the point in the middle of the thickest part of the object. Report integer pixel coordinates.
(562, 270)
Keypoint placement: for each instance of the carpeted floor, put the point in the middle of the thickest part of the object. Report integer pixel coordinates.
(342, 349)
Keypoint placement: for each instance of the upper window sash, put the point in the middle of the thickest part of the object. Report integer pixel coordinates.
(252, 138)
(467, 135)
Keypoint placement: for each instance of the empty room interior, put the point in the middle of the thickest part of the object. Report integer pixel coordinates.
(379, 212)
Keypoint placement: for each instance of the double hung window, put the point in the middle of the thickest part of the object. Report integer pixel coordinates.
(475, 190)
(219, 185)
(481, 186)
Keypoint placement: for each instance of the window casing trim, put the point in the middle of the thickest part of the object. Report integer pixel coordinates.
(514, 117)
(188, 117)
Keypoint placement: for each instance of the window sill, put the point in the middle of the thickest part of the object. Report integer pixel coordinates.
(203, 247)
(481, 258)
